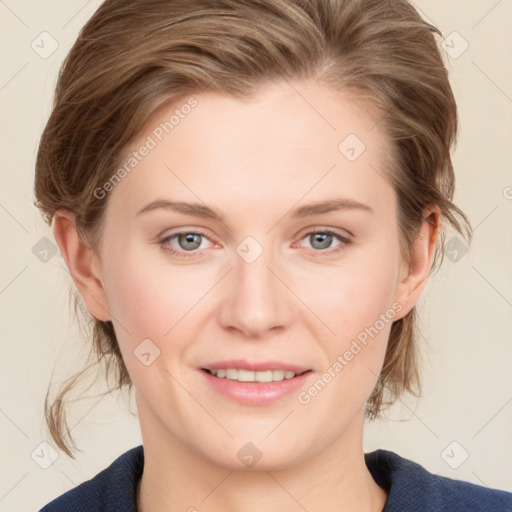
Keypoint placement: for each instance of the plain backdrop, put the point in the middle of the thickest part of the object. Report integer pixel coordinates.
(462, 425)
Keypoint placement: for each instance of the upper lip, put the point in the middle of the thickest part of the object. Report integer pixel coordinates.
(255, 366)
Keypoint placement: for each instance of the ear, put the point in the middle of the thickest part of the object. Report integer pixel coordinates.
(83, 264)
(414, 274)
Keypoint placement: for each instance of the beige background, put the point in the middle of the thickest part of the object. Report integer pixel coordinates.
(466, 311)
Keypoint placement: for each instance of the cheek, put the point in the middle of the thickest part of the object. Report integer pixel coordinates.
(350, 297)
(150, 301)
(151, 298)
(358, 307)
(356, 302)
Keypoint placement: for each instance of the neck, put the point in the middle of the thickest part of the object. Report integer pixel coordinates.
(176, 478)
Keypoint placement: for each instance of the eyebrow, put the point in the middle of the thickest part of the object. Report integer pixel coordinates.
(201, 210)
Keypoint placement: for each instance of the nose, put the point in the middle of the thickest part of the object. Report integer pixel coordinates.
(256, 298)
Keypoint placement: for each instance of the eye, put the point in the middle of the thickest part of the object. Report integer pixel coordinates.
(322, 240)
(186, 242)
(189, 243)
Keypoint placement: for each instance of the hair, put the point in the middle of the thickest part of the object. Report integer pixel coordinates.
(132, 56)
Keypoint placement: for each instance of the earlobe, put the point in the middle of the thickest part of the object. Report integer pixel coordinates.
(82, 263)
(422, 254)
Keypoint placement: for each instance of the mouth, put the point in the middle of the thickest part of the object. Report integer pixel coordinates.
(261, 376)
(255, 383)
(255, 387)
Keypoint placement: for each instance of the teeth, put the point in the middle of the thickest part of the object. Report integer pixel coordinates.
(250, 376)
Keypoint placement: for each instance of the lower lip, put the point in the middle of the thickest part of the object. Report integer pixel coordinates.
(256, 393)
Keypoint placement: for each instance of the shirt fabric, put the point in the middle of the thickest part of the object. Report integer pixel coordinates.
(410, 487)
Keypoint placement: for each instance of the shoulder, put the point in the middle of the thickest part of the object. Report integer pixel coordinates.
(111, 490)
(412, 488)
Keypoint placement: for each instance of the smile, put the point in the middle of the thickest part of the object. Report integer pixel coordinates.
(255, 387)
(252, 376)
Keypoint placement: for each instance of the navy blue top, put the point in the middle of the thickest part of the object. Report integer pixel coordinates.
(411, 488)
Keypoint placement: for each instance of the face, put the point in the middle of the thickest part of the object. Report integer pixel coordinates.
(271, 284)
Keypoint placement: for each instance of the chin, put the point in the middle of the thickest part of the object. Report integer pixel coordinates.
(258, 455)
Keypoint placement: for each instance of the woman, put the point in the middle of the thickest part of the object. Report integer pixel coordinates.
(249, 196)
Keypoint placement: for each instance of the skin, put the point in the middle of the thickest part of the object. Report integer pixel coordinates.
(254, 160)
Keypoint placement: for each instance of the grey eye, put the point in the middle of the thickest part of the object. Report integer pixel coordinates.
(189, 241)
(320, 240)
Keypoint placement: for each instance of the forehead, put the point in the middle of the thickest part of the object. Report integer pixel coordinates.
(288, 140)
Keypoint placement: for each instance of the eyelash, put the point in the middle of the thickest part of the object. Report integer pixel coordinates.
(190, 254)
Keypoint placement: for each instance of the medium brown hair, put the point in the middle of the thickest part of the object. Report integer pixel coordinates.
(132, 56)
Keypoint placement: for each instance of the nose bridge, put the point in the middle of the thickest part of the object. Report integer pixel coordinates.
(257, 299)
